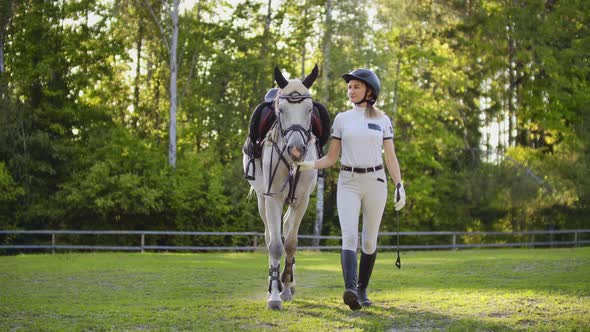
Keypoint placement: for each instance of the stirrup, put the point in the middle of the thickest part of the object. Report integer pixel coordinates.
(252, 163)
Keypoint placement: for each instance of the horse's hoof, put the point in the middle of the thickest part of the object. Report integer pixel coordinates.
(274, 305)
(287, 295)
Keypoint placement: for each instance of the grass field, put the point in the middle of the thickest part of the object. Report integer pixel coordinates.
(488, 290)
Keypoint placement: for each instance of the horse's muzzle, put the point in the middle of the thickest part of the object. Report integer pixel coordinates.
(297, 152)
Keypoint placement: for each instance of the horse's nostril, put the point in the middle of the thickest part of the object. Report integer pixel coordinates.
(295, 152)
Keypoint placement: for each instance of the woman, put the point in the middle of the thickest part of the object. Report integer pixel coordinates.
(362, 134)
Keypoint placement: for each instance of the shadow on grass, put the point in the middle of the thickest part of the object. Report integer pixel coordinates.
(380, 318)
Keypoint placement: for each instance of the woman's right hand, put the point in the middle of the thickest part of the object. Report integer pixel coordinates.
(306, 165)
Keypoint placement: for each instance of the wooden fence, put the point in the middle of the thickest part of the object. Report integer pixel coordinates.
(454, 240)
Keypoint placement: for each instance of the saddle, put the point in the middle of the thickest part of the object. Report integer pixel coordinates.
(264, 116)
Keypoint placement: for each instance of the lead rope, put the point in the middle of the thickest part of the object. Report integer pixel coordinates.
(293, 185)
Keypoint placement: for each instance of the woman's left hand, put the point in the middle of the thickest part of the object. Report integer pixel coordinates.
(399, 199)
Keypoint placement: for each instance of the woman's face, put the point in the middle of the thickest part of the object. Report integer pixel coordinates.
(356, 91)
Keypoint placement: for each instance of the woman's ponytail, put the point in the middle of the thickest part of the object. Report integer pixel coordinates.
(371, 111)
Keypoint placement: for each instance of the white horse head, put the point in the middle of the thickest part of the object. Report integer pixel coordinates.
(294, 109)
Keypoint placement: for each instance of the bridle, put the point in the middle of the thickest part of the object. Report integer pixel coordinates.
(293, 98)
(292, 179)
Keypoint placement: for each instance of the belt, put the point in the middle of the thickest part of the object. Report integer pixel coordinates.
(360, 169)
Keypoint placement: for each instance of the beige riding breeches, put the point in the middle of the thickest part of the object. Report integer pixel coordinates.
(366, 193)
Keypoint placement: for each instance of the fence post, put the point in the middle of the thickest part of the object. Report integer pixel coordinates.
(454, 241)
(576, 239)
(142, 242)
(52, 243)
(255, 242)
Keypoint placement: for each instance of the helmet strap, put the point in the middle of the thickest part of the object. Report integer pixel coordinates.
(368, 101)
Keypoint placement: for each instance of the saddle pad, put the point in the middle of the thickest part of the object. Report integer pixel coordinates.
(321, 123)
(267, 118)
(264, 117)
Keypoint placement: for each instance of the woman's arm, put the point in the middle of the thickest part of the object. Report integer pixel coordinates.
(331, 157)
(399, 198)
(391, 161)
(326, 161)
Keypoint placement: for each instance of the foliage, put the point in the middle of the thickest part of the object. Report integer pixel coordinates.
(84, 109)
(121, 184)
(10, 193)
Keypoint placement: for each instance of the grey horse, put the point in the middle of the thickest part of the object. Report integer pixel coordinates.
(277, 180)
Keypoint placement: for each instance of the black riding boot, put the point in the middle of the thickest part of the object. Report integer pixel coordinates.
(365, 270)
(349, 265)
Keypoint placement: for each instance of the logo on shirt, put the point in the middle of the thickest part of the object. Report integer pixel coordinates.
(374, 126)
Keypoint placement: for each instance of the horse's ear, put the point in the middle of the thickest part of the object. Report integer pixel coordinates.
(279, 78)
(308, 81)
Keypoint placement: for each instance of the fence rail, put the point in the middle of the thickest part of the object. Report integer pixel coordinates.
(576, 240)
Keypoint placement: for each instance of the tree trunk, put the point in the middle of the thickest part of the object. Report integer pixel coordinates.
(263, 81)
(303, 48)
(396, 87)
(5, 17)
(4, 21)
(511, 84)
(139, 42)
(173, 81)
(2, 49)
(171, 46)
(319, 221)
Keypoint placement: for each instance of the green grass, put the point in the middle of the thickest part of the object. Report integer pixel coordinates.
(489, 290)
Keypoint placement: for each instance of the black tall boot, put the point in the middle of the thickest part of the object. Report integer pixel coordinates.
(349, 265)
(365, 270)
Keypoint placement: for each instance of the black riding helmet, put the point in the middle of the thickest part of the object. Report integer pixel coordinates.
(370, 79)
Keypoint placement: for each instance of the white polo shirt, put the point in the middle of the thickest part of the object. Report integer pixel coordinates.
(361, 137)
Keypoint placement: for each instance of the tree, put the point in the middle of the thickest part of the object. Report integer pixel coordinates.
(5, 17)
(326, 45)
(170, 40)
(83, 82)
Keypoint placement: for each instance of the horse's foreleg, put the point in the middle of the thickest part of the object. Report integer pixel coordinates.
(291, 224)
(262, 212)
(275, 251)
